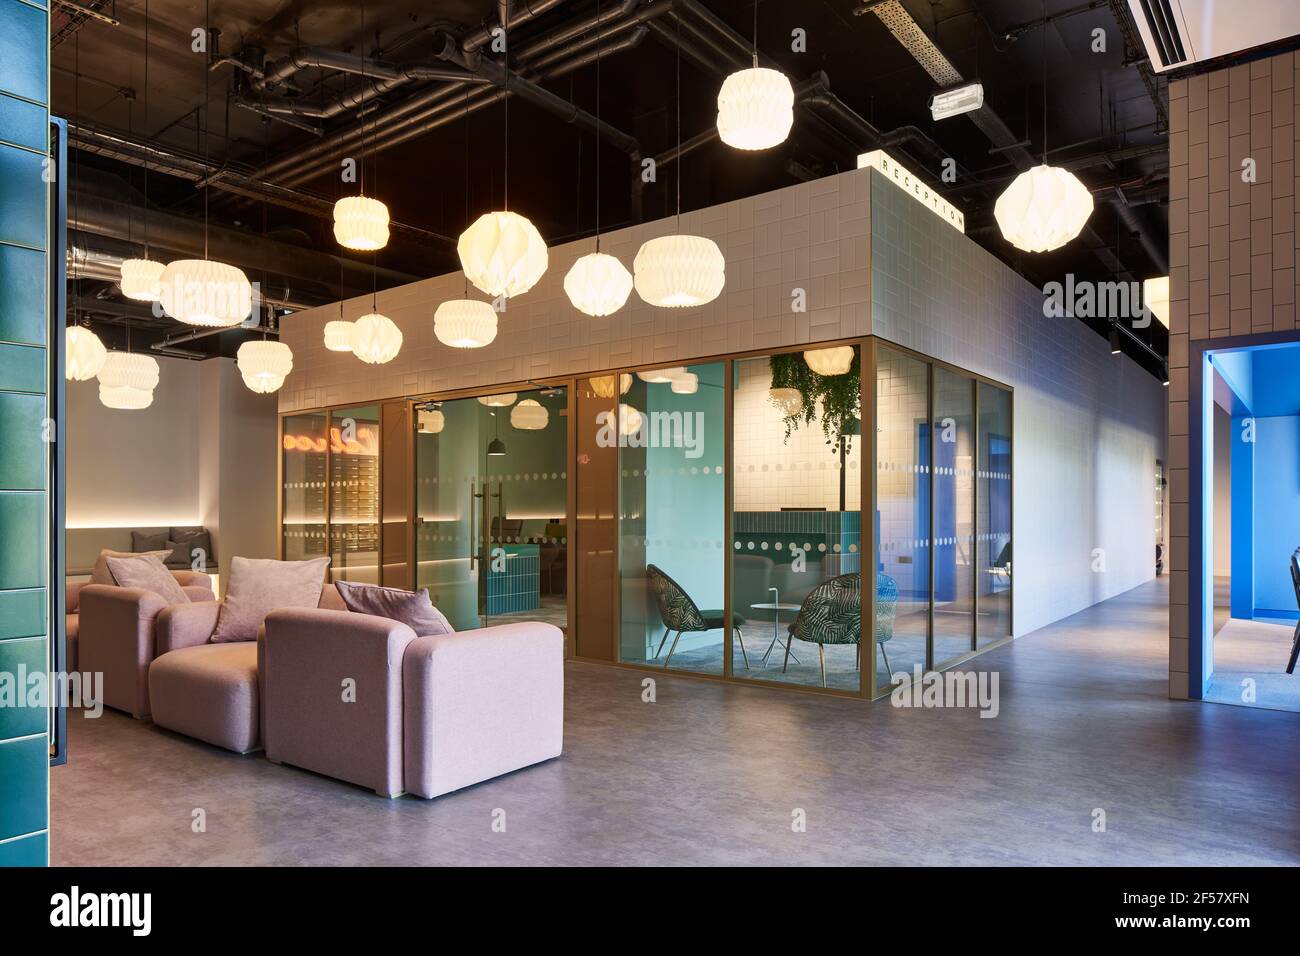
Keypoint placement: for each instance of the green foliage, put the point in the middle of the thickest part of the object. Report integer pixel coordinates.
(834, 396)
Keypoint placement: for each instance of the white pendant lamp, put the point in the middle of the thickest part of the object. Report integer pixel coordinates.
(376, 339)
(598, 284)
(125, 399)
(127, 380)
(431, 421)
(338, 335)
(502, 254)
(84, 354)
(206, 293)
(361, 223)
(1043, 209)
(679, 271)
(688, 383)
(788, 400)
(465, 324)
(141, 279)
(629, 420)
(836, 361)
(661, 376)
(604, 386)
(1155, 295)
(504, 400)
(529, 416)
(755, 109)
(264, 365)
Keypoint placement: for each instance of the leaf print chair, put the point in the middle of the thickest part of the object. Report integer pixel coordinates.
(832, 614)
(681, 614)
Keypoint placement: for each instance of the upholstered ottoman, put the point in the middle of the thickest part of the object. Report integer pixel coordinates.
(209, 691)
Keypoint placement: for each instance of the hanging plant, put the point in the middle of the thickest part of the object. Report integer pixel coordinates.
(833, 398)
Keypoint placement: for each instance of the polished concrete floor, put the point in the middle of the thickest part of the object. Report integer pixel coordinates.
(714, 774)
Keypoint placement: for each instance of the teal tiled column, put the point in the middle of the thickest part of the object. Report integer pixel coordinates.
(26, 332)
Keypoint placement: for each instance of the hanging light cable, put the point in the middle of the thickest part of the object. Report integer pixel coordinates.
(141, 278)
(200, 291)
(1046, 206)
(755, 106)
(361, 221)
(502, 253)
(679, 270)
(598, 284)
(465, 323)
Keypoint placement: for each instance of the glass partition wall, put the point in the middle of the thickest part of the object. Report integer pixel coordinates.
(719, 527)
(491, 507)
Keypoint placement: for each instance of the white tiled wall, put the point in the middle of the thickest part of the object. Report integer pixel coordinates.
(773, 472)
(1089, 425)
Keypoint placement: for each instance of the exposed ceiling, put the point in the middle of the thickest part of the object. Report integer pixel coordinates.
(274, 175)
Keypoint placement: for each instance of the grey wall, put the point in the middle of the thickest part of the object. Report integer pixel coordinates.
(1089, 426)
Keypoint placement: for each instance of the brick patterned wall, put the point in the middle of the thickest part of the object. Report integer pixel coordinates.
(813, 236)
(1232, 253)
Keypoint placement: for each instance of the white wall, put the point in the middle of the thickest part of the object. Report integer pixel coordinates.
(204, 453)
(1089, 426)
(135, 468)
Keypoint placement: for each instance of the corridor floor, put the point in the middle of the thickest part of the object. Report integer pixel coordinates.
(715, 774)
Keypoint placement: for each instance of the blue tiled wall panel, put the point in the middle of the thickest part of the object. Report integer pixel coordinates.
(22, 298)
(22, 531)
(25, 851)
(24, 785)
(20, 658)
(25, 328)
(24, 50)
(22, 448)
(22, 613)
(22, 123)
(22, 197)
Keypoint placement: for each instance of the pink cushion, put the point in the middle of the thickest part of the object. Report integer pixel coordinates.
(414, 609)
(259, 586)
(146, 571)
(100, 574)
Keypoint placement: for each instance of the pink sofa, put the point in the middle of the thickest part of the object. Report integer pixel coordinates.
(209, 691)
(114, 633)
(430, 714)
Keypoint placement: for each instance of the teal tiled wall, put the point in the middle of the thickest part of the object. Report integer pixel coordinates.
(25, 333)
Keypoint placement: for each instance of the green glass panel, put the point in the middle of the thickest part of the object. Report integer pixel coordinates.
(22, 368)
(23, 123)
(24, 50)
(22, 452)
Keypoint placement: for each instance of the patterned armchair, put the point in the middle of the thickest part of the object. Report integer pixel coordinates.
(681, 614)
(832, 614)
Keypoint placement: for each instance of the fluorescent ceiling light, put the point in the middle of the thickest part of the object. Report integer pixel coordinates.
(957, 100)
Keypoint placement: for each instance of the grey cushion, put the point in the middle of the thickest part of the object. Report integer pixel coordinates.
(142, 541)
(185, 540)
(415, 610)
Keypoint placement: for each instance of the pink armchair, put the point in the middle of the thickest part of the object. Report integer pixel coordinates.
(115, 635)
(361, 698)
